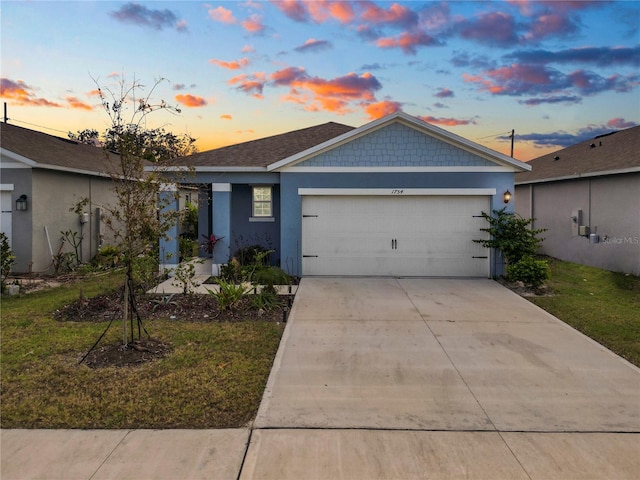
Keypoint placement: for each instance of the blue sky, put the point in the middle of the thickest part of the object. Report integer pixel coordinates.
(557, 72)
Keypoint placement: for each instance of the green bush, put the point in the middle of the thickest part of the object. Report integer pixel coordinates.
(145, 272)
(7, 260)
(252, 254)
(229, 295)
(107, 257)
(529, 271)
(271, 276)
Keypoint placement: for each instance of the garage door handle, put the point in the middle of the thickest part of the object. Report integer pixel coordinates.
(309, 256)
(480, 257)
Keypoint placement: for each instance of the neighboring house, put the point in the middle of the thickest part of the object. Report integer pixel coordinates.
(51, 175)
(395, 197)
(588, 197)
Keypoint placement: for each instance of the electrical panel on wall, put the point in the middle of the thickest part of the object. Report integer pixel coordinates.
(576, 221)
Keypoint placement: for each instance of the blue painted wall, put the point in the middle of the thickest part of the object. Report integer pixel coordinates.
(291, 209)
(244, 232)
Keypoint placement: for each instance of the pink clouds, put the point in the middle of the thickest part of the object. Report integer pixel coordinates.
(253, 24)
(449, 122)
(318, 11)
(222, 15)
(23, 94)
(190, 101)
(407, 41)
(233, 65)
(333, 95)
(251, 84)
(73, 102)
(395, 15)
(381, 109)
(620, 123)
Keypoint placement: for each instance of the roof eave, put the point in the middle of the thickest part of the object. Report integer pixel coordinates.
(577, 176)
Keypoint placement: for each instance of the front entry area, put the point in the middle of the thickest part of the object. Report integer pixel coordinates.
(394, 235)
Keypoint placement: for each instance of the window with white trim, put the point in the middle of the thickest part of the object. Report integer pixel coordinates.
(262, 201)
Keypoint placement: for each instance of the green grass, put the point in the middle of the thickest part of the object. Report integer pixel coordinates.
(213, 378)
(603, 305)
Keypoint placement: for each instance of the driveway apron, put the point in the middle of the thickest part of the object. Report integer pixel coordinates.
(432, 378)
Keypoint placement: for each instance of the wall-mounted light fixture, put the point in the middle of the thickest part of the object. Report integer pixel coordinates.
(21, 202)
(507, 196)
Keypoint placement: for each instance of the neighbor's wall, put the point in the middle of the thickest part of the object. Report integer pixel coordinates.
(21, 230)
(55, 193)
(610, 207)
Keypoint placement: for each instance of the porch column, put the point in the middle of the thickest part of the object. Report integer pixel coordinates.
(221, 200)
(169, 249)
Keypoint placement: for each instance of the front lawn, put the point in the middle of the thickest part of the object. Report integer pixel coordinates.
(601, 304)
(213, 377)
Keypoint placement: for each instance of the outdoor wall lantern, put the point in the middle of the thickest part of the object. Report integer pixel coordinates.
(21, 202)
(507, 196)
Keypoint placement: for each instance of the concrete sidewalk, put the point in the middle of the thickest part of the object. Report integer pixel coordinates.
(393, 379)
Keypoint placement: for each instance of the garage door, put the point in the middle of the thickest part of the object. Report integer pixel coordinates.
(394, 236)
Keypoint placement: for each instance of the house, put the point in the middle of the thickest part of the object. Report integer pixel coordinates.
(395, 197)
(43, 178)
(588, 197)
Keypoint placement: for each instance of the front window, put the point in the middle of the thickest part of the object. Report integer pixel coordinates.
(262, 202)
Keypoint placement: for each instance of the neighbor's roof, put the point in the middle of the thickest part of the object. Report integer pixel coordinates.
(40, 150)
(616, 152)
(265, 151)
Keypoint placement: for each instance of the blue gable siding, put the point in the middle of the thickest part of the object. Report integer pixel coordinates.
(396, 145)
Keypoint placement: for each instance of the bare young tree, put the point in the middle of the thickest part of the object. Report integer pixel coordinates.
(140, 217)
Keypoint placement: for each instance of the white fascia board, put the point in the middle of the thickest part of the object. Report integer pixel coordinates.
(205, 169)
(412, 122)
(397, 192)
(578, 176)
(18, 158)
(476, 169)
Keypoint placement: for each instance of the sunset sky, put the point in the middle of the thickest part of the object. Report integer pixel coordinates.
(558, 72)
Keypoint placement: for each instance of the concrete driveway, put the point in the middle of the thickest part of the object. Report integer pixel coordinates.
(440, 378)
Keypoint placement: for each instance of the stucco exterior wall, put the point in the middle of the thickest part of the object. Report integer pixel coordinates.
(21, 230)
(54, 194)
(610, 207)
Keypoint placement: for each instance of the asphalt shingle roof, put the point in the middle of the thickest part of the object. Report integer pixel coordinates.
(60, 153)
(615, 151)
(265, 151)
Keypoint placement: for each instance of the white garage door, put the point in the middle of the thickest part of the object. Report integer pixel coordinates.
(394, 236)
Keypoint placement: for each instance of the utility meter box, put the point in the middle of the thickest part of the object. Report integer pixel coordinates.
(576, 220)
(594, 238)
(583, 231)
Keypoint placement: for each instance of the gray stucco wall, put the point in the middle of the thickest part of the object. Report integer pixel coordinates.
(610, 207)
(21, 230)
(54, 194)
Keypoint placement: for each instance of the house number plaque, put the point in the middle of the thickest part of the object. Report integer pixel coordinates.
(397, 192)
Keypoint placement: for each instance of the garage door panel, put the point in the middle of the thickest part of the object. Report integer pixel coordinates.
(398, 236)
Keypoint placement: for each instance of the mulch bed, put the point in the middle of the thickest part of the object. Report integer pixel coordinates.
(179, 308)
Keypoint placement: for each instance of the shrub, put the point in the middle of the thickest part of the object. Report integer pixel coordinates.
(511, 235)
(252, 254)
(229, 295)
(145, 271)
(266, 299)
(529, 271)
(107, 257)
(271, 276)
(7, 258)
